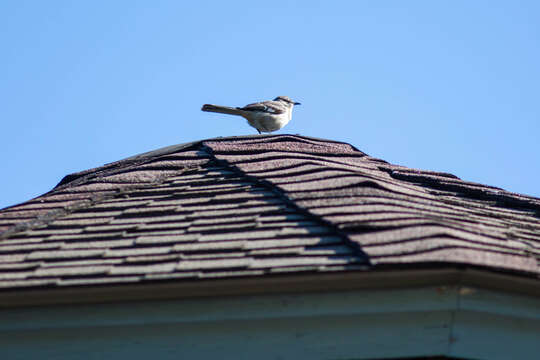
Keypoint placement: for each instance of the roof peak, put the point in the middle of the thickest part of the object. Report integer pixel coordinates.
(142, 157)
(262, 137)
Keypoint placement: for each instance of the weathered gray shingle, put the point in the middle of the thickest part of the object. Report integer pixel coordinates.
(260, 205)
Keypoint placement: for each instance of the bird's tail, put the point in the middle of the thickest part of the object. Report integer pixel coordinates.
(221, 109)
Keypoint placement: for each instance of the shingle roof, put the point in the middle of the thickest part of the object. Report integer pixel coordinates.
(253, 206)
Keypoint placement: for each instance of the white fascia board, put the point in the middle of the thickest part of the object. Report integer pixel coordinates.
(464, 322)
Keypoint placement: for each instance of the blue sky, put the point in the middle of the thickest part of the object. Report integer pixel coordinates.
(441, 85)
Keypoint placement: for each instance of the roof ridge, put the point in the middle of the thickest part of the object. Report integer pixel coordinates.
(281, 138)
(140, 159)
(150, 155)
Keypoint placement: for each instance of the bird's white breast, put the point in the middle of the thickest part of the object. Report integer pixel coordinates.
(267, 122)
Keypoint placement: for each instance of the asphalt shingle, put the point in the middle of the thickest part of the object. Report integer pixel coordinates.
(252, 206)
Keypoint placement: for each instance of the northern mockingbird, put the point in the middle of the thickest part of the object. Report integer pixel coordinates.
(265, 116)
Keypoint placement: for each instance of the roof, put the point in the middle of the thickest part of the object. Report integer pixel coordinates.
(258, 206)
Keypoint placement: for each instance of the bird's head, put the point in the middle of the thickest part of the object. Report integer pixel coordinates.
(287, 100)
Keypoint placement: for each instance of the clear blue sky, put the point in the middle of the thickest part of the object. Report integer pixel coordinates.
(441, 85)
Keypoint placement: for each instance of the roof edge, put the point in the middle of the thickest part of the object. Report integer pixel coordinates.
(69, 178)
(314, 283)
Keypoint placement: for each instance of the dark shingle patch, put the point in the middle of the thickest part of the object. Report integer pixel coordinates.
(18, 248)
(65, 254)
(153, 239)
(27, 283)
(103, 244)
(87, 281)
(470, 190)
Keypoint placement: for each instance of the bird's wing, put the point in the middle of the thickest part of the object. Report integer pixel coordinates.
(272, 107)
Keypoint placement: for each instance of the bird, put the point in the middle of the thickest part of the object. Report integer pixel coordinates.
(265, 116)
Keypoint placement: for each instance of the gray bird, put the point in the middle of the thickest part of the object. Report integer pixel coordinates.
(265, 116)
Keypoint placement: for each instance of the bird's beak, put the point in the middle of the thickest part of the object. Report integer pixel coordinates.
(297, 104)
